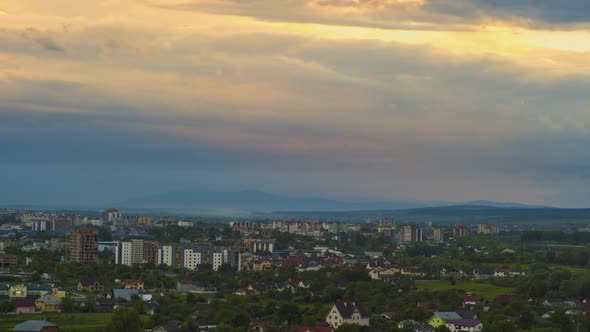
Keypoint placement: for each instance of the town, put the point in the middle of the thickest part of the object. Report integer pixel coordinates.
(112, 271)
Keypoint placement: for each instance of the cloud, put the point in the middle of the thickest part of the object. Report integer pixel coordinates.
(459, 15)
(306, 96)
(42, 40)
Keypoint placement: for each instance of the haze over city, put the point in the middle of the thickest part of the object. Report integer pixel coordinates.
(451, 100)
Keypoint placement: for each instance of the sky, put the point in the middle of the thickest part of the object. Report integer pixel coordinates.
(452, 100)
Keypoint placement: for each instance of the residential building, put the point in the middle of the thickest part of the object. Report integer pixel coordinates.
(133, 284)
(36, 326)
(411, 234)
(48, 303)
(488, 229)
(166, 255)
(24, 305)
(111, 215)
(150, 252)
(89, 285)
(464, 325)
(483, 273)
(260, 245)
(6, 261)
(192, 259)
(190, 256)
(83, 246)
(460, 231)
(145, 220)
(136, 252)
(347, 313)
(437, 235)
(125, 294)
(441, 318)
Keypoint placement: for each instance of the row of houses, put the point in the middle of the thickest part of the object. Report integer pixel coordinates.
(480, 273)
(353, 313)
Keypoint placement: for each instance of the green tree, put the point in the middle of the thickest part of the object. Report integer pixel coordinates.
(288, 312)
(125, 320)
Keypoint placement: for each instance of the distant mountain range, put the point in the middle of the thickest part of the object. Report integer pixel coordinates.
(259, 201)
(555, 217)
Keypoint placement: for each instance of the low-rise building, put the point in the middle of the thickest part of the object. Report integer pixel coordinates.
(347, 313)
(24, 305)
(48, 303)
(89, 285)
(36, 326)
(133, 284)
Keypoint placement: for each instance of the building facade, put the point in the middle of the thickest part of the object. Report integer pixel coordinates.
(83, 246)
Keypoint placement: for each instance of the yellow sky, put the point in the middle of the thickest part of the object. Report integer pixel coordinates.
(521, 45)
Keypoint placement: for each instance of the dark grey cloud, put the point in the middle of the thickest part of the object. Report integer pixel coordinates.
(561, 11)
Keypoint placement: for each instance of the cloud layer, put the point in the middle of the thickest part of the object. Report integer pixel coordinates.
(390, 99)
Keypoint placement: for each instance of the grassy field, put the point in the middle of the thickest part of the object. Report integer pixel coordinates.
(85, 322)
(484, 290)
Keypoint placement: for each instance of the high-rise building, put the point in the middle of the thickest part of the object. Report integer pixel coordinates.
(145, 220)
(166, 255)
(190, 256)
(260, 245)
(460, 231)
(488, 229)
(83, 246)
(192, 259)
(437, 235)
(411, 234)
(150, 252)
(136, 252)
(111, 215)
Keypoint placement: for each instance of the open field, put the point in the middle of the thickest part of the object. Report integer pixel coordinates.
(484, 290)
(67, 322)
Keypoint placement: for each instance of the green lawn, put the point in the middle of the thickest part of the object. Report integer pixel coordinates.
(484, 290)
(67, 322)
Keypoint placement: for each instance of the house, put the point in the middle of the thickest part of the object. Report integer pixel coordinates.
(262, 326)
(186, 287)
(451, 272)
(59, 292)
(48, 303)
(304, 284)
(483, 273)
(319, 328)
(262, 265)
(501, 273)
(412, 271)
(36, 326)
(416, 326)
(441, 318)
(374, 274)
(389, 315)
(24, 305)
(347, 313)
(89, 285)
(464, 325)
(170, 326)
(132, 284)
(119, 293)
(4, 288)
(517, 272)
(38, 290)
(18, 292)
(469, 300)
(104, 304)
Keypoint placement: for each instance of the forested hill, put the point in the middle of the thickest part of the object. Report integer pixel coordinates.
(454, 214)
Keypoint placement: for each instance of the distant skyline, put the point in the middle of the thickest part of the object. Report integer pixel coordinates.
(430, 100)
